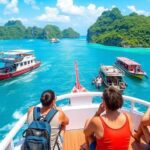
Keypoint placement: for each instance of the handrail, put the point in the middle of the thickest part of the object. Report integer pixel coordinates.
(7, 140)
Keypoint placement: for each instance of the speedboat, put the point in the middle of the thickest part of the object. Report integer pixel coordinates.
(112, 76)
(17, 62)
(130, 67)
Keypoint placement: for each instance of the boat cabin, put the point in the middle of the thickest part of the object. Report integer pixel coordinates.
(112, 76)
(129, 65)
(17, 62)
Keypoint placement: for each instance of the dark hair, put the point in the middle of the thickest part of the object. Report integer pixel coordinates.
(112, 98)
(47, 97)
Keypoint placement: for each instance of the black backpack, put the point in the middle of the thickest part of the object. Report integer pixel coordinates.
(38, 134)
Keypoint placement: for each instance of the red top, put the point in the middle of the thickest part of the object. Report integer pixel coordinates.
(114, 139)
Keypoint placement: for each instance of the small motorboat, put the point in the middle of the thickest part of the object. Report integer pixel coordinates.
(97, 81)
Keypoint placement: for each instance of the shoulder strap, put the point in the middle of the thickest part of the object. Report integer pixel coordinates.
(50, 115)
(36, 113)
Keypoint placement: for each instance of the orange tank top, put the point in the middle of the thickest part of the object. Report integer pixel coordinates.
(114, 139)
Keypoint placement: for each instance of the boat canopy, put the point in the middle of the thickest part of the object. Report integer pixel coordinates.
(111, 71)
(127, 61)
(17, 52)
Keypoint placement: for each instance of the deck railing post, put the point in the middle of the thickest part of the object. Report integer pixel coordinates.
(132, 107)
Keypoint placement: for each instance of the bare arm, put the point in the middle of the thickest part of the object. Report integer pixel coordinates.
(63, 119)
(146, 118)
(29, 111)
(89, 130)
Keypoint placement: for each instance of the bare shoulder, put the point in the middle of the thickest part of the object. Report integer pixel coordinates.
(95, 121)
(59, 108)
(30, 109)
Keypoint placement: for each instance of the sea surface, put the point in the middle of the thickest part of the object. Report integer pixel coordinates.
(57, 73)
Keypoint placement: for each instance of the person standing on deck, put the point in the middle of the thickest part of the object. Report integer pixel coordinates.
(111, 130)
(48, 100)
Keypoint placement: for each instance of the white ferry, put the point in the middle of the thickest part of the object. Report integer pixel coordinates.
(17, 62)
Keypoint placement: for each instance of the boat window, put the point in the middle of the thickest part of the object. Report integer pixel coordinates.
(28, 62)
(21, 64)
(25, 63)
(31, 61)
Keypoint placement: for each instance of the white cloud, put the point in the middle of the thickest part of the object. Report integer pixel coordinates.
(140, 12)
(67, 6)
(12, 7)
(53, 15)
(32, 3)
(72, 15)
(3, 1)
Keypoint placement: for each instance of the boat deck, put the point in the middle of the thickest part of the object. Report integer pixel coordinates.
(73, 139)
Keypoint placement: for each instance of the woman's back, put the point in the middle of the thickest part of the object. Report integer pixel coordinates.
(115, 133)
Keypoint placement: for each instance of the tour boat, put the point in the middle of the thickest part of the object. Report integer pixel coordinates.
(17, 62)
(130, 67)
(112, 76)
(54, 40)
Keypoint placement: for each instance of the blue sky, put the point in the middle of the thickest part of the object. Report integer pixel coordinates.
(79, 14)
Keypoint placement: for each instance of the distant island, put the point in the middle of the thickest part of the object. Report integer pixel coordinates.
(113, 29)
(70, 33)
(14, 29)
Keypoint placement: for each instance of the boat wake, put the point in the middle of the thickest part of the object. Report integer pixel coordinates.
(31, 40)
(5, 129)
(44, 67)
(24, 78)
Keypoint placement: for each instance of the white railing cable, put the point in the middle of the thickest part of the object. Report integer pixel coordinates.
(9, 137)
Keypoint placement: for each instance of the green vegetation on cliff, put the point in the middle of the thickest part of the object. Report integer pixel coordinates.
(113, 29)
(16, 30)
(70, 33)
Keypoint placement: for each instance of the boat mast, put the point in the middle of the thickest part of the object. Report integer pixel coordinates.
(78, 85)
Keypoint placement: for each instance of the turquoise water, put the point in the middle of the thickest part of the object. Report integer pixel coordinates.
(57, 73)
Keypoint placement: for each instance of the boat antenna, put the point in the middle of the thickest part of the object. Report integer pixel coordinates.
(78, 85)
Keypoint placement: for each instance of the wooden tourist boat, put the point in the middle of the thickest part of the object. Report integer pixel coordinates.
(17, 62)
(130, 67)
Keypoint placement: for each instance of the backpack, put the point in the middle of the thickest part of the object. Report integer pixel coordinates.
(38, 134)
